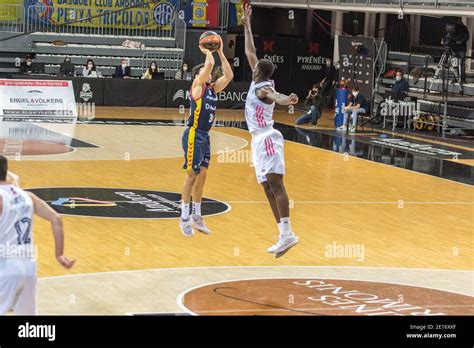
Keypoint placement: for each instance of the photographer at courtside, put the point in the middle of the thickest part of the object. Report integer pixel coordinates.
(315, 102)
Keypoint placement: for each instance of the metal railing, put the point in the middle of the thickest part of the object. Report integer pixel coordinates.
(180, 31)
(434, 3)
(420, 3)
(223, 15)
(167, 62)
(130, 23)
(381, 57)
(12, 18)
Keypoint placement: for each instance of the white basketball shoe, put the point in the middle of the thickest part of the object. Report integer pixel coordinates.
(284, 244)
(186, 227)
(197, 222)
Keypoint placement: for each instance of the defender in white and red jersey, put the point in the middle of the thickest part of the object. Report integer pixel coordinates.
(17, 259)
(267, 142)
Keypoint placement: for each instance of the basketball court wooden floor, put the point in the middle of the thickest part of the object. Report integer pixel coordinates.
(374, 239)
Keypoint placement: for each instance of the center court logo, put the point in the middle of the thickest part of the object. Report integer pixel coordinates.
(120, 203)
(323, 297)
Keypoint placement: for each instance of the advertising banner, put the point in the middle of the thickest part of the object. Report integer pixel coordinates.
(232, 97)
(37, 98)
(298, 63)
(202, 14)
(357, 63)
(140, 14)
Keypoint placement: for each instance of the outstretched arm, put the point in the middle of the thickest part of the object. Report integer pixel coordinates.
(228, 75)
(270, 94)
(44, 211)
(250, 51)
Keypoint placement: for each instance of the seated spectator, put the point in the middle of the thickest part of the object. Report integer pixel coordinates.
(152, 72)
(67, 68)
(314, 101)
(183, 73)
(400, 87)
(90, 70)
(357, 105)
(27, 67)
(123, 70)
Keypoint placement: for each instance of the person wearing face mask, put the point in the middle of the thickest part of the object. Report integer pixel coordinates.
(152, 72)
(184, 73)
(66, 68)
(400, 87)
(27, 67)
(123, 70)
(315, 102)
(357, 105)
(90, 69)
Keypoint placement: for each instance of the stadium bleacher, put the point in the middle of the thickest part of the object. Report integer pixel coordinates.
(105, 50)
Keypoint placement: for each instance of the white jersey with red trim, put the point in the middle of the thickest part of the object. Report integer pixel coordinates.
(258, 114)
(17, 257)
(16, 220)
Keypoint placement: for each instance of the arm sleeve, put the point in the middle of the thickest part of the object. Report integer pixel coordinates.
(306, 102)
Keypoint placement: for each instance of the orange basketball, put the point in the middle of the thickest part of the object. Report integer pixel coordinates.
(210, 40)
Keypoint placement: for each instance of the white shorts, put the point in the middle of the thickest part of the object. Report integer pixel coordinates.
(268, 154)
(18, 286)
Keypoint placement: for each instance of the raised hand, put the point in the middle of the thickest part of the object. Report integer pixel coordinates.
(205, 51)
(220, 50)
(246, 14)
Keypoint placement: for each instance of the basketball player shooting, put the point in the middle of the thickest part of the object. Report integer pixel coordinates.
(267, 142)
(196, 141)
(17, 264)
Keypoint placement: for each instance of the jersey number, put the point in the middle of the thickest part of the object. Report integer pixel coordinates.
(23, 229)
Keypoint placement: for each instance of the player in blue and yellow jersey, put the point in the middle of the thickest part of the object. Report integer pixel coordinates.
(196, 143)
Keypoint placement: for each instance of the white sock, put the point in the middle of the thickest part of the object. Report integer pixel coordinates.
(197, 208)
(184, 211)
(279, 227)
(285, 227)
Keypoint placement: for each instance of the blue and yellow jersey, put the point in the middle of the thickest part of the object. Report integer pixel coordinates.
(203, 109)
